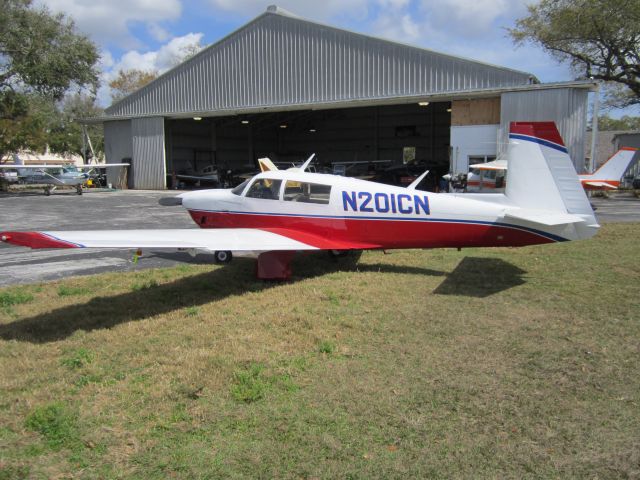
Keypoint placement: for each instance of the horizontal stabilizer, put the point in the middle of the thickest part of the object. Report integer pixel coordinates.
(544, 217)
(596, 184)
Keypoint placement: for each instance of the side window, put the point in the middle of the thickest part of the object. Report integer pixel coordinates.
(307, 192)
(265, 189)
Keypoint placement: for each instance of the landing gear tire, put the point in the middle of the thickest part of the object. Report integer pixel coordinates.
(353, 255)
(223, 256)
(79, 189)
(47, 191)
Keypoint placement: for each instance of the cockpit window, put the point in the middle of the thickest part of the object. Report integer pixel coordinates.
(307, 192)
(240, 188)
(264, 188)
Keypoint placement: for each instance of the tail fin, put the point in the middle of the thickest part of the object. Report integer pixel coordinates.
(614, 168)
(542, 178)
(17, 160)
(266, 164)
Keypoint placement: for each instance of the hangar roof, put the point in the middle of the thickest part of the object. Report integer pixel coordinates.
(280, 61)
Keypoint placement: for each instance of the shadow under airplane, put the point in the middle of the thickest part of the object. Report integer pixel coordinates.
(481, 277)
(477, 277)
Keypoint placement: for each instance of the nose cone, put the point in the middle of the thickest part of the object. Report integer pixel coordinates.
(207, 199)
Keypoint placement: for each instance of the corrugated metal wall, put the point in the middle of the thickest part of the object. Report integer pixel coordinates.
(565, 106)
(117, 146)
(148, 162)
(277, 60)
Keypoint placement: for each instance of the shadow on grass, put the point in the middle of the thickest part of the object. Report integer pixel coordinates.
(474, 277)
(481, 277)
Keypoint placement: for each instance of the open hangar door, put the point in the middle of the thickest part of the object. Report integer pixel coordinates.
(391, 143)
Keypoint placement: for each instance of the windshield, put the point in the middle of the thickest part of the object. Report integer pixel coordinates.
(240, 188)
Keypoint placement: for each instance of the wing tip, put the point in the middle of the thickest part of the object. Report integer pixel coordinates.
(35, 240)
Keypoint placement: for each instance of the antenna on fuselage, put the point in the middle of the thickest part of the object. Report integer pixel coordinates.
(306, 164)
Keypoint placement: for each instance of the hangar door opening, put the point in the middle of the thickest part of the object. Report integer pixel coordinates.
(385, 143)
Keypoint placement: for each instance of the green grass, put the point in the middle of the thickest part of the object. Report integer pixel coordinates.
(57, 423)
(9, 298)
(77, 359)
(66, 291)
(485, 363)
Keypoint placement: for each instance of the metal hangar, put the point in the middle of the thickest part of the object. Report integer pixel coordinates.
(284, 87)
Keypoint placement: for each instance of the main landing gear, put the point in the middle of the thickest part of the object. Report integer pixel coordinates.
(223, 256)
(79, 189)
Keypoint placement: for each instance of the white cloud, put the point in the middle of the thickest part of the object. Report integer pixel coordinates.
(311, 9)
(394, 4)
(166, 57)
(161, 60)
(471, 17)
(401, 28)
(109, 22)
(158, 33)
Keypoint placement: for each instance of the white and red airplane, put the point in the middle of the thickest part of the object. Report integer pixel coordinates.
(608, 176)
(278, 213)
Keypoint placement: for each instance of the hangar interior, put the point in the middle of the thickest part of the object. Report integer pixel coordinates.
(378, 136)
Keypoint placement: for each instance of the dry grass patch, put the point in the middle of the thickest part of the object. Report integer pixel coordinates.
(492, 363)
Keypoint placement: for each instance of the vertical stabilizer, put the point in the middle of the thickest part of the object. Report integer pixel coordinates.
(17, 160)
(614, 168)
(541, 174)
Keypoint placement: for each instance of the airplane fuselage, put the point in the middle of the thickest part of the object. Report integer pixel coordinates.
(363, 214)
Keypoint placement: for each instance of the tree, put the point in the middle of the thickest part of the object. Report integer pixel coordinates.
(41, 58)
(599, 38)
(42, 52)
(624, 123)
(128, 81)
(23, 122)
(66, 133)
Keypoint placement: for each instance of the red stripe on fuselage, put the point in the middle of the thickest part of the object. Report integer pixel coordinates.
(35, 240)
(379, 233)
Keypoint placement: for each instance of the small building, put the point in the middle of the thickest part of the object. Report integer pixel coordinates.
(285, 87)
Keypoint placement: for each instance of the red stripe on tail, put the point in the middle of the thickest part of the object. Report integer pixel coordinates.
(543, 130)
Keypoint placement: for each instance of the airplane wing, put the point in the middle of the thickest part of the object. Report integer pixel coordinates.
(600, 184)
(493, 165)
(205, 178)
(80, 167)
(20, 167)
(232, 239)
(102, 165)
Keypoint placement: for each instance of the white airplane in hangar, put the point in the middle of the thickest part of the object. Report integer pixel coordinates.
(278, 213)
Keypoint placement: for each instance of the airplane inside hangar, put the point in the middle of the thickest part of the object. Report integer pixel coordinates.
(366, 142)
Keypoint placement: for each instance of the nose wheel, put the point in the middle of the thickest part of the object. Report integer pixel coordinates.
(223, 256)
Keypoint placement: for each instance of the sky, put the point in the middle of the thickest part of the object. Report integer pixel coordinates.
(151, 34)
